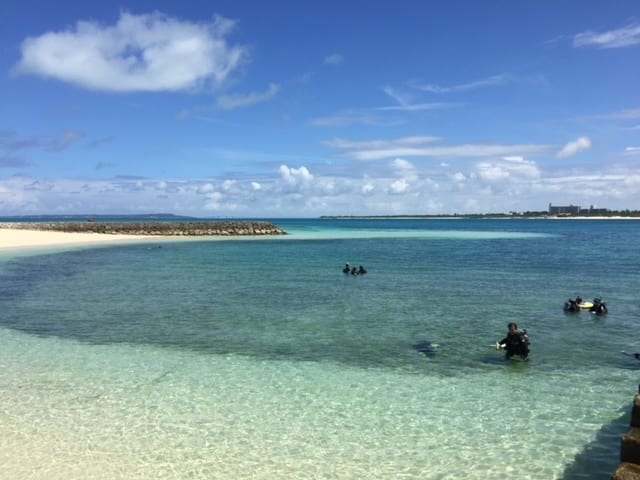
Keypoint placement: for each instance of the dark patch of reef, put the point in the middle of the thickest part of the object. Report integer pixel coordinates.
(208, 228)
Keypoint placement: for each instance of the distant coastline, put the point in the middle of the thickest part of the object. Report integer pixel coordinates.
(490, 216)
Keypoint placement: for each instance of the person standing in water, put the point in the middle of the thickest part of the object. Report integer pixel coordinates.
(515, 343)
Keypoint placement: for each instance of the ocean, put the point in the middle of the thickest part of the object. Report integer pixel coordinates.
(259, 359)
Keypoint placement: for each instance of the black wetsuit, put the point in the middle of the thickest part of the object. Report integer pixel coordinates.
(516, 344)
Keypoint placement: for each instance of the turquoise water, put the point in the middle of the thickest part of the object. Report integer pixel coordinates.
(259, 359)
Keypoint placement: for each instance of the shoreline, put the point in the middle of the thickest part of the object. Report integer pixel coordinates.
(477, 217)
(25, 236)
(14, 239)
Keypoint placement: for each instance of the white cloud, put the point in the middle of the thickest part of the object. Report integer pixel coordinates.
(295, 176)
(206, 188)
(405, 169)
(228, 102)
(402, 98)
(491, 172)
(618, 38)
(416, 107)
(150, 52)
(574, 147)
(459, 177)
(367, 187)
(345, 120)
(512, 167)
(403, 165)
(493, 81)
(399, 186)
(414, 147)
(508, 183)
(632, 151)
(627, 114)
(334, 59)
(228, 185)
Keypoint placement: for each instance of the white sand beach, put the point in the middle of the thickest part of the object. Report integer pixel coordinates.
(13, 238)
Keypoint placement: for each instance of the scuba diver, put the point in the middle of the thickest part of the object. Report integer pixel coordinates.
(515, 343)
(571, 306)
(346, 268)
(361, 270)
(599, 307)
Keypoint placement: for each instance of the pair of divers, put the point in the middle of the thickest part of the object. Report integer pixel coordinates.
(597, 307)
(353, 271)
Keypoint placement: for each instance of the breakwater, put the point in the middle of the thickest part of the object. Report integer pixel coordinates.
(204, 228)
(629, 468)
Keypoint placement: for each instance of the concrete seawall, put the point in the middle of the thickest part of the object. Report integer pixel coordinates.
(629, 468)
(208, 228)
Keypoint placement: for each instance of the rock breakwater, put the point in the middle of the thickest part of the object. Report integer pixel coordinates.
(208, 228)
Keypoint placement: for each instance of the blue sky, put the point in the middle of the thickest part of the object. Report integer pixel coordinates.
(300, 109)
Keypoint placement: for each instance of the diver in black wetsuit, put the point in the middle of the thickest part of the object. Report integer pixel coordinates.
(599, 307)
(515, 343)
(571, 306)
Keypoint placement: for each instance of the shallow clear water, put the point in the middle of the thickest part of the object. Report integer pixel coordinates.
(260, 359)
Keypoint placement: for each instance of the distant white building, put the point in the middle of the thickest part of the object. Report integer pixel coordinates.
(564, 210)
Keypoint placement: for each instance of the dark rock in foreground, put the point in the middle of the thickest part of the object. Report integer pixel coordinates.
(210, 228)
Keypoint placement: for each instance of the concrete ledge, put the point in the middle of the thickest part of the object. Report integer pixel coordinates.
(630, 447)
(629, 468)
(626, 471)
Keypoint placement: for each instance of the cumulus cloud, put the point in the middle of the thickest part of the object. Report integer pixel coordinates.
(574, 147)
(295, 176)
(399, 186)
(403, 165)
(367, 187)
(459, 177)
(405, 169)
(511, 167)
(149, 52)
(619, 38)
(229, 102)
(295, 192)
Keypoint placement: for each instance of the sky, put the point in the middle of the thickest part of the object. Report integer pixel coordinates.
(275, 109)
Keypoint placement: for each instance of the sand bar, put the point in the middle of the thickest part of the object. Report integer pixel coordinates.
(25, 236)
(11, 238)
